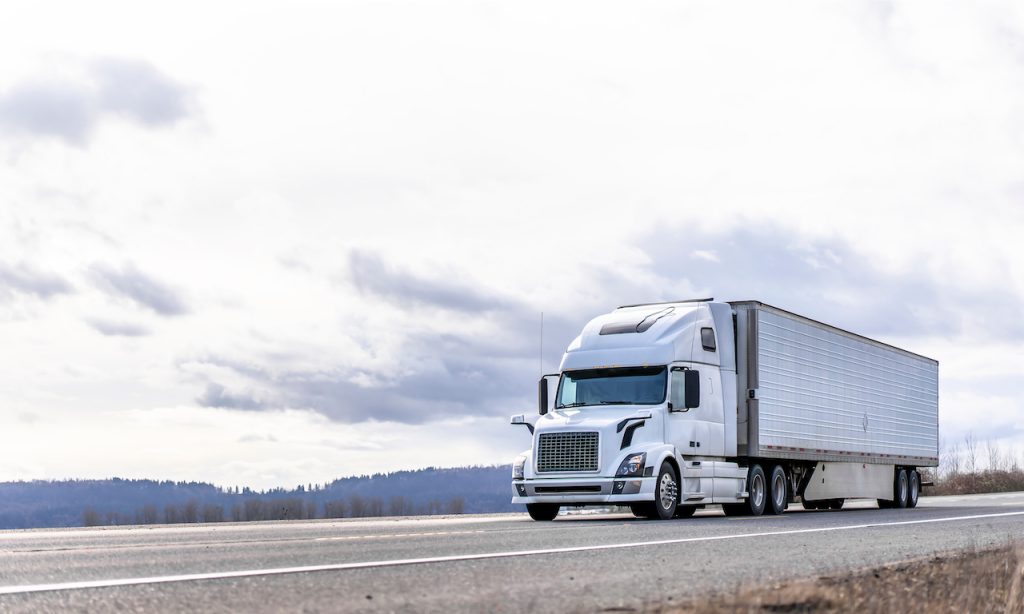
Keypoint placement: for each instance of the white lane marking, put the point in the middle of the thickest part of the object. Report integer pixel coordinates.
(221, 575)
(431, 534)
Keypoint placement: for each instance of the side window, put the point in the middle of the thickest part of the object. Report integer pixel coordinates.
(707, 339)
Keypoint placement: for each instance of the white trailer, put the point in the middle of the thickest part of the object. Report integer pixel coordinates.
(670, 407)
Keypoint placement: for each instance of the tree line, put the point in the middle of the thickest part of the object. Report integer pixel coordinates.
(256, 509)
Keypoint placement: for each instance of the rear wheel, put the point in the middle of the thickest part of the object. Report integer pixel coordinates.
(915, 487)
(901, 489)
(757, 491)
(735, 509)
(542, 511)
(777, 491)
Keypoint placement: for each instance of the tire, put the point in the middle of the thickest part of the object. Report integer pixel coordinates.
(685, 511)
(900, 489)
(542, 511)
(778, 492)
(757, 491)
(643, 510)
(735, 509)
(914, 488)
(666, 492)
(835, 504)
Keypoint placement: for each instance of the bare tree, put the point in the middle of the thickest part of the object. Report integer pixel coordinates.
(357, 506)
(190, 511)
(213, 513)
(171, 514)
(149, 514)
(954, 461)
(253, 510)
(971, 450)
(994, 454)
(334, 509)
(457, 505)
(90, 517)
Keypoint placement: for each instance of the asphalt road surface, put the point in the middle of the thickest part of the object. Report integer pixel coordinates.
(493, 563)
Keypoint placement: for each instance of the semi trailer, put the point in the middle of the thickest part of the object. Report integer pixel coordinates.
(670, 407)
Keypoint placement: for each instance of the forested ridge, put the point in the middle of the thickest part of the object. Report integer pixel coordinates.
(117, 501)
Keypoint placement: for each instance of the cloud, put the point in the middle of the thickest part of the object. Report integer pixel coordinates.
(118, 329)
(138, 90)
(830, 279)
(24, 279)
(134, 285)
(372, 275)
(216, 396)
(70, 108)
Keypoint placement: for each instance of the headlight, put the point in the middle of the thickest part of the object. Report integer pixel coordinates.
(517, 467)
(632, 466)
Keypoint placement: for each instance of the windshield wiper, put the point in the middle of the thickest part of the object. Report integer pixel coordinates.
(576, 404)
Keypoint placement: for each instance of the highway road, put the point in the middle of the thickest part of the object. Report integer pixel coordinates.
(495, 563)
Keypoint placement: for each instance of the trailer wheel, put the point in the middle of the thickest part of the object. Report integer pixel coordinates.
(915, 488)
(542, 511)
(900, 489)
(757, 491)
(777, 495)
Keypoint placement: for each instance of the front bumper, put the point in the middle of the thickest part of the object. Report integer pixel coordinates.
(584, 491)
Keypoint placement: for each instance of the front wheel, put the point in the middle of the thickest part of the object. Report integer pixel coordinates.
(685, 511)
(666, 492)
(542, 511)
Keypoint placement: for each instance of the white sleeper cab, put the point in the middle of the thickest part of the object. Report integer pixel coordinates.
(670, 407)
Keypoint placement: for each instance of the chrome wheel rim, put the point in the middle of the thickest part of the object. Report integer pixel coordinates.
(779, 490)
(757, 490)
(668, 491)
(903, 487)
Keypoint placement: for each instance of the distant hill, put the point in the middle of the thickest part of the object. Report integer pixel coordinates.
(71, 503)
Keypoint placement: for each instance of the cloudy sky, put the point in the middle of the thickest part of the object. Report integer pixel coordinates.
(278, 243)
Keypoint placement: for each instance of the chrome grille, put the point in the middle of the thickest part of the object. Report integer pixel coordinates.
(567, 452)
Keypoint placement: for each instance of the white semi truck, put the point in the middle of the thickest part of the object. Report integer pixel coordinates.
(670, 407)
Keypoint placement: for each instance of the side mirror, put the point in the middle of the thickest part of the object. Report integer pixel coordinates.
(543, 393)
(542, 396)
(692, 389)
(684, 389)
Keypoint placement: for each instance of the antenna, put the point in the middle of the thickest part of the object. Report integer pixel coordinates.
(542, 344)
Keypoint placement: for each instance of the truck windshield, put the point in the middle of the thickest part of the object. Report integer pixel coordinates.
(616, 386)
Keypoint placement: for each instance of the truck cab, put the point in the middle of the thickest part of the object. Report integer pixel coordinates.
(637, 416)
